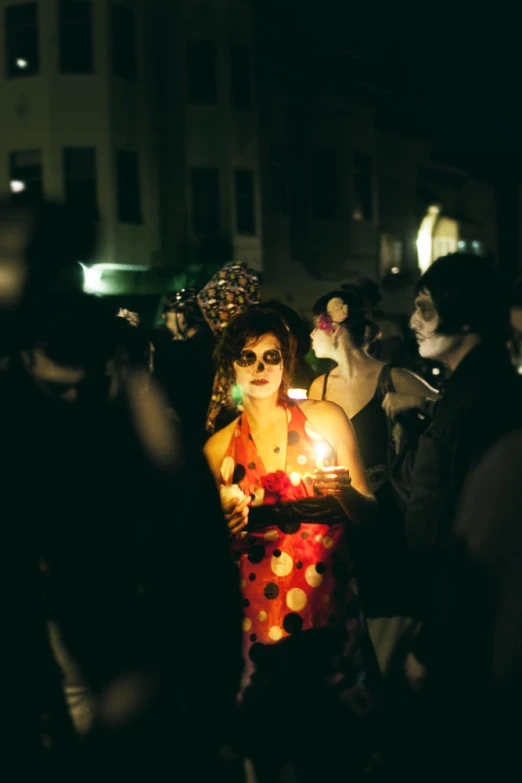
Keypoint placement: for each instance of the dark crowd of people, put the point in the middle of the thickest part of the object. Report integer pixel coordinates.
(210, 575)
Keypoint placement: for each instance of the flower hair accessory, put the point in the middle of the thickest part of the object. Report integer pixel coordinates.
(337, 309)
(325, 322)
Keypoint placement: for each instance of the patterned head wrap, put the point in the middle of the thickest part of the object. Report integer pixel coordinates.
(234, 288)
(231, 291)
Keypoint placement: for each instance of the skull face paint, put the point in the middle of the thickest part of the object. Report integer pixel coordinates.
(259, 367)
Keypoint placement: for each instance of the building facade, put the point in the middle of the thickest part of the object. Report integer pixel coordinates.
(195, 135)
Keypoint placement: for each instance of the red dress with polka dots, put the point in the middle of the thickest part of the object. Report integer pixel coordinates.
(291, 581)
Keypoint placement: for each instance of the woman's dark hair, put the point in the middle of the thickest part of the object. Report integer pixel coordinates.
(358, 323)
(468, 294)
(299, 328)
(251, 325)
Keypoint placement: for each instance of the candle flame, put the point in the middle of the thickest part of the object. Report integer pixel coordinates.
(321, 450)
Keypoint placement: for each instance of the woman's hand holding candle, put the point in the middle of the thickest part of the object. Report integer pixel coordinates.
(332, 481)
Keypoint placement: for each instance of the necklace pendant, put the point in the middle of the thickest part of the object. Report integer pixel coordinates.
(276, 449)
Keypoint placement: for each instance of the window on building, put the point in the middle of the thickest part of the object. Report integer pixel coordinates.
(362, 186)
(26, 176)
(202, 72)
(279, 172)
(324, 184)
(80, 188)
(205, 201)
(245, 202)
(240, 77)
(128, 187)
(123, 35)
(21, 40)
(75, 36)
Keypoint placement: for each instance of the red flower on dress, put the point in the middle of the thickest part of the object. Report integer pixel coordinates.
(277, 486)
(325, 322)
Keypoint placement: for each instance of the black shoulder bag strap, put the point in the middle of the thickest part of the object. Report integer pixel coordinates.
(325, 384)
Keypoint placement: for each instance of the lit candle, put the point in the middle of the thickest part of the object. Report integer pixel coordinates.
(321, 450)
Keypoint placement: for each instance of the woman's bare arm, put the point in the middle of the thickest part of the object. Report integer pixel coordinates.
(412, 393)
(407, 382)
(215, 449)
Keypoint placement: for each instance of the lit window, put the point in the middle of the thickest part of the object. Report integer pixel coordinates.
(21, 40)
(26, 176)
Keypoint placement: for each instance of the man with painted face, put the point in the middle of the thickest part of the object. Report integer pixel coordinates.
(461, 318)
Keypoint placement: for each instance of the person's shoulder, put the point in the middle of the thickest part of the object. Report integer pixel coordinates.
(219, 440)
(407, 382)
(314, 409)
(318, 382)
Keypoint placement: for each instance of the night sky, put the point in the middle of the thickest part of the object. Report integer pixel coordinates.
(452, 77)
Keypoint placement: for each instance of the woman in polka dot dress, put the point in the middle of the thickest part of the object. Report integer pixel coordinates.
(304, 641)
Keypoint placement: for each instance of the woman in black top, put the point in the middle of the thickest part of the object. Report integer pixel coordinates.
(373, 395)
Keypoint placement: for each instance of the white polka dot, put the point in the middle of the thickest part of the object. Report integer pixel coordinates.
(312, 577)
(295, 478)
(318, 538)
(275, 633)
(326, 599)
(227, 469)
(301, 459)
(296, 599)
(262, 616)
(271, 535)
(282, 565)
(328, 542)
(237, 433)
(247, 624)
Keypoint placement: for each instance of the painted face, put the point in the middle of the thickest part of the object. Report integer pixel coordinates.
(424, 322)
(259, 367)
(322, 338)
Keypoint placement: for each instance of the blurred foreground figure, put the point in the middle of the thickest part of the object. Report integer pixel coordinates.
(473, 693)
(110, 638)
